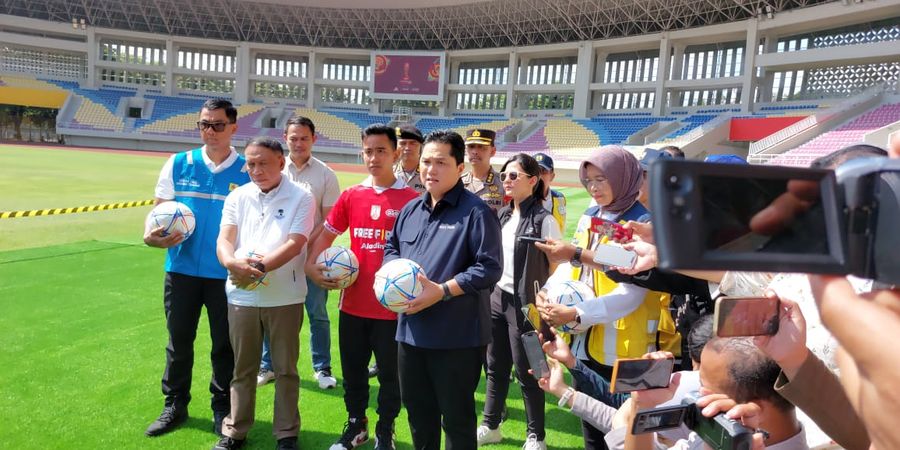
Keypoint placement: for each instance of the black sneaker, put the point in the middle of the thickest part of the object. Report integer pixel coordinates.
(288, 443)
(384, 436)
(229, 443)
(169, 420)
(373, 371)
(356, 433)
(218, 417)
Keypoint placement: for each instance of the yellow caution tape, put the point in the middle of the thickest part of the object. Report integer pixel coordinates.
(77, 209)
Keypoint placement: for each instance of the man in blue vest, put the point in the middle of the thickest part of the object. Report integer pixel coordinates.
(201, 179)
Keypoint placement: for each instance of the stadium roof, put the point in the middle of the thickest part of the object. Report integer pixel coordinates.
(398, 24)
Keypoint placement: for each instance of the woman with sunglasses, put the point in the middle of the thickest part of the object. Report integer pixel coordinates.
(623, 320)
(524, 268)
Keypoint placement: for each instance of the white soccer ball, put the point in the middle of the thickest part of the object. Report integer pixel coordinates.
(396, 283)
(172, 217)
(341, 265)
(570, 293)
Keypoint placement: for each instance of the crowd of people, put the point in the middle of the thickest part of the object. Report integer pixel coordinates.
(264, 216)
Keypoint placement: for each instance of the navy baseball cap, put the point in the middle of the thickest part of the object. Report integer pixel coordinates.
(725, 159)
(650, 155)
(544, 160)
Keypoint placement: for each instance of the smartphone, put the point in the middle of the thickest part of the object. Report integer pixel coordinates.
(751, 316)
(637, 374)
(532, 239)
(614, 255)
(612, 230)
(535, 354)
(659, 419)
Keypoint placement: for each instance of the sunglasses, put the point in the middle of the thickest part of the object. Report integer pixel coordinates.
(513, 176)
(218, 127)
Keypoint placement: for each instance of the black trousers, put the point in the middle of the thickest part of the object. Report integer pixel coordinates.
(506, 349)
(593, 438)
(361, 337)
(438, 388)
(184, 298)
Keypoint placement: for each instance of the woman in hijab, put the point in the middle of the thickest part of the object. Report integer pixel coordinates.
(622, 320)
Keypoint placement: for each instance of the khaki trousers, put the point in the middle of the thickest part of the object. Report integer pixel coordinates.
(246, 326)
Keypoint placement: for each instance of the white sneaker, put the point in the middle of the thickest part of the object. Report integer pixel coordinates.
(326, 381)
(265, 377)
(485, 435)
(532, 443)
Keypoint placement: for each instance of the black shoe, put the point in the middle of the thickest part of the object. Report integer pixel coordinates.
(169, 420)
(288, 443)
(218, 417)
(229, 443)
(356, 433)
(373, 371)
(384, 436)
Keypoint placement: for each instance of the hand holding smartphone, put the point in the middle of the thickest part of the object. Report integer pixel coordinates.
(638, 374)
(535, 354)
(532, 239)
(614, 256)
(751, 316)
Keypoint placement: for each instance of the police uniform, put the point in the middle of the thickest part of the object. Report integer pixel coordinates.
(412, 179)
(491, 188)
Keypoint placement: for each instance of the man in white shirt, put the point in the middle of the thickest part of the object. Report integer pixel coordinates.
(262, 241)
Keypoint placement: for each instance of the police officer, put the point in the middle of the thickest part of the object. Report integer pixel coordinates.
(483, 180)
(409, 141)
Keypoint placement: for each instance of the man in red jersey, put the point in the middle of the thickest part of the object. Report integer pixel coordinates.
(368, 211)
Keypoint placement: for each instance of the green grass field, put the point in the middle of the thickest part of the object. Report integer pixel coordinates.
(83, 327)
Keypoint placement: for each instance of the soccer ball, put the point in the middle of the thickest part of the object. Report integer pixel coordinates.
(341, 265)
(260, 282)
(396, 283)
(173, 217)
(570, 293)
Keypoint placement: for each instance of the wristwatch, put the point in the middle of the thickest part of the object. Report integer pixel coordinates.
(258, 265)
(447, 294)
(564, 399)
(576, 258)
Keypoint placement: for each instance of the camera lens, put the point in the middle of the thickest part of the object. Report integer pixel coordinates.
(673, 182)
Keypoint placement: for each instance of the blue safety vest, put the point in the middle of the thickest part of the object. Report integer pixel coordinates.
(204, 192)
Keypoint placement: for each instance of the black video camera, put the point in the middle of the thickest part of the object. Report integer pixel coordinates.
(779, 219)
(718, 432)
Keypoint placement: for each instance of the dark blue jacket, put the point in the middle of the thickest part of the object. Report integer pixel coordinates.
(459, 239)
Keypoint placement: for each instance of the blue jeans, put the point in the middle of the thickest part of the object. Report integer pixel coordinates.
(319, 330)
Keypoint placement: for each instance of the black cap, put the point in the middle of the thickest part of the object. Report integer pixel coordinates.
(545, 161)
(407, 131)
(480, 136)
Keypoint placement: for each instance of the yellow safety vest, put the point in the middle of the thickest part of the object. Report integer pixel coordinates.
(630, 336)
(558, 210)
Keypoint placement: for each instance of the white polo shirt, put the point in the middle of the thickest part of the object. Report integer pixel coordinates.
(264, 221)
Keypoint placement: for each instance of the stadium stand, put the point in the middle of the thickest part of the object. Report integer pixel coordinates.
(166, 107)
(565, 133)
(361, 119)
(617, 129)
(851, 133)
(332, 130)
(91, 115)
(537, 142)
